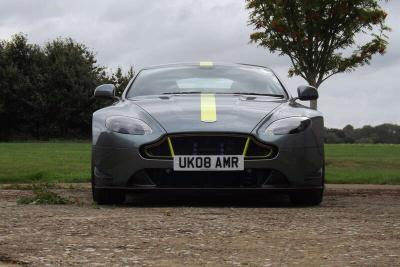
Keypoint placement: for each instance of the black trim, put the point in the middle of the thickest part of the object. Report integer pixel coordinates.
(155, 189)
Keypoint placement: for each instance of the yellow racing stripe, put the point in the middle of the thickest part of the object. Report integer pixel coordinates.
(208, 108)
(206, 64)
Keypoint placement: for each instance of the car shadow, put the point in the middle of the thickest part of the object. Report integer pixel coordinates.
(207, 199)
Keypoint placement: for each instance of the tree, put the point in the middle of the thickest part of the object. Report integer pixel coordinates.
(47, 91)
(348, 132)
(319, 36)
(331, 137)
(121, 80)
(383, 134)
(19, 76)
(71, 74)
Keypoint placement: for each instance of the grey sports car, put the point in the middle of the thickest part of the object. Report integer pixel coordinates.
(206, 126)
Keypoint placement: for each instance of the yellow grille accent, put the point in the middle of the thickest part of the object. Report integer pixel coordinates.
(246, 146)
(171, 148)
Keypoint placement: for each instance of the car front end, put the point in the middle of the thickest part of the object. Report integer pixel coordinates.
(207, 141)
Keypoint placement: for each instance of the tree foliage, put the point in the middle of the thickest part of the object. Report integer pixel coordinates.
(383, 134)
(46, 91)
(319, 36)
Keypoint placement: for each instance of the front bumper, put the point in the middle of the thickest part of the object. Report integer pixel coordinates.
(118, 164)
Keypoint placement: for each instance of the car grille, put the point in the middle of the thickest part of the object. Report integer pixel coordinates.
(205, 144)
(167, 178)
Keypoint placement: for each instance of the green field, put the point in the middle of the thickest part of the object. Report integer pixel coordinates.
(44, 162)
(363, 164)
(70, 162)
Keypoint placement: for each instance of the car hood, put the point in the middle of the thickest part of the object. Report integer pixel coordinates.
(182, 113)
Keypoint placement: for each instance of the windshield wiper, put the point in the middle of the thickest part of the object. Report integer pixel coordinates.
(183, 93)
(246, 93)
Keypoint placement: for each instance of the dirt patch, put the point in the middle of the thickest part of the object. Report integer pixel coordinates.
(354, 226)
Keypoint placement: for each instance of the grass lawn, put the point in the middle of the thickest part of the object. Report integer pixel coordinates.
(44, 162)
(70, 162)
(363, 164)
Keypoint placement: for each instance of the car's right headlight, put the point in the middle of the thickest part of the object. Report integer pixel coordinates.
(290, 125)
(127, 125)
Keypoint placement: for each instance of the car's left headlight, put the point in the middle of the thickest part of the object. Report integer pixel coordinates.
(290, 125)
(127, 125)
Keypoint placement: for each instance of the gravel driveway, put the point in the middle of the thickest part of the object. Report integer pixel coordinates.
(355, 225)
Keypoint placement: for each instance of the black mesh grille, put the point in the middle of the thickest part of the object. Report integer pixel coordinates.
(195, 144)
(158, 149)
(170, 179)
(249, 178)
(259, 150)
(208, 145)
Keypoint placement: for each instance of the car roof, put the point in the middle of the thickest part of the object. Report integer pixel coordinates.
(182, 64)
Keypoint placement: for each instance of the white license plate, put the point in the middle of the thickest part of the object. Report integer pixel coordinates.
(209, 163)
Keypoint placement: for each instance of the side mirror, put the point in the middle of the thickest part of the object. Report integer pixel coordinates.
(307, 92)
(105, 91)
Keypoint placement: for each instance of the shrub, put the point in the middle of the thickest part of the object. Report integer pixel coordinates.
(42, 195)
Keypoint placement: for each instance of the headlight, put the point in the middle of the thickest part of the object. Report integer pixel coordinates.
(288, 126)
(127, 125)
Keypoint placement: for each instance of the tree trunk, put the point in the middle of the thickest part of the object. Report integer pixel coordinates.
(314, 104)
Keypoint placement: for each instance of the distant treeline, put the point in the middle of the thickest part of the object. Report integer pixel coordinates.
(381, 134)
(46, 91)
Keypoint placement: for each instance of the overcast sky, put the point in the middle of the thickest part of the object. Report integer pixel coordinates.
(143, 32)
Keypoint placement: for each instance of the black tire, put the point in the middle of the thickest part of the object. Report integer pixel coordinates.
(312, 197)
(107, 196)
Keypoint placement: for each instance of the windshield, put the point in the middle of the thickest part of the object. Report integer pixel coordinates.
(197, 79)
